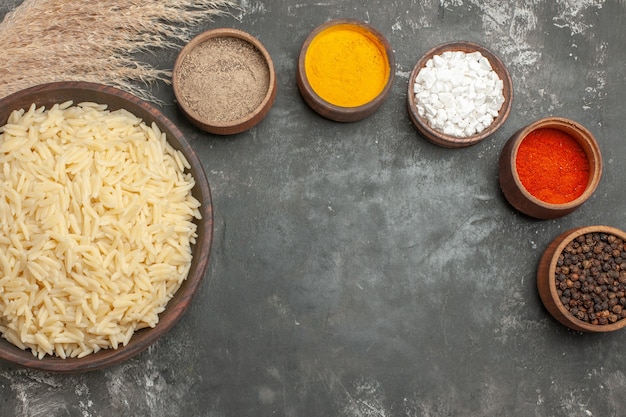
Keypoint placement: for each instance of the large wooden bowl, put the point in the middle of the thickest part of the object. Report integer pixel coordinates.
(49, 94)
(449, 141)
(511, 184)
(546, 282)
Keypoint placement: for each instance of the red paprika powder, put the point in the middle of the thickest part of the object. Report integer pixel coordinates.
(552, 166)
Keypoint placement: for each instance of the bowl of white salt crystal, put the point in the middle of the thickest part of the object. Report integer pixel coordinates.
(459, 93)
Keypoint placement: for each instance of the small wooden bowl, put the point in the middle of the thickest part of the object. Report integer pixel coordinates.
(449, 141)
(512, 187)
(546, 280)
(321, 105)
(188, 96)
(49, 94)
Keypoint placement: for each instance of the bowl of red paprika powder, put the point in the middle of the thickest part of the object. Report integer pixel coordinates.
(550, 168)
(581, 278)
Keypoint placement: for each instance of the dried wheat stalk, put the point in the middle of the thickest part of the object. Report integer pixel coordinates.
(95, 40)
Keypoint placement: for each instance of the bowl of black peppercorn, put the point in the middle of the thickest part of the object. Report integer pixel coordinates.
(581, 279)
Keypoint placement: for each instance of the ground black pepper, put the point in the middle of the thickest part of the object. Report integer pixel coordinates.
(591, 278)
(223, 79)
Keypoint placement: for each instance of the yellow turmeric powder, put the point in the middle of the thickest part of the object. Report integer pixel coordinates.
(346, 65)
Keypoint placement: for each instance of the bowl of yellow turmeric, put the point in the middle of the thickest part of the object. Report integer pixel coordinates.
(345, 70)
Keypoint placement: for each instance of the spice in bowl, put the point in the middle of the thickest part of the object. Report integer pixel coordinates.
(581, 279)
(224, 81)
(346, 65)
(345, 70)
(590, 278)
(458, 93)
(552, 166)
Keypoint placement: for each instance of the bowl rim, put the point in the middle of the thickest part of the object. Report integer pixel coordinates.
(181, 300)
(332, 111)
(546, 281)
(450, 141)
(583, 137)
(238, 125)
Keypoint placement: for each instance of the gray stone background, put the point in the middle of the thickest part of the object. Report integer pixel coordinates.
(357, 269)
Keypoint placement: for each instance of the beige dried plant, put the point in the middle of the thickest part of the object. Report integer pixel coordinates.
(96, 40)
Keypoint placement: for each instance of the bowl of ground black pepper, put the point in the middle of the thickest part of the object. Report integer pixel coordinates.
(581, 279)
(345, 70)
(550, 168)
(224, 81)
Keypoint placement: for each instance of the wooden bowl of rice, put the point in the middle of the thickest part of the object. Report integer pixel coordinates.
(62, 274)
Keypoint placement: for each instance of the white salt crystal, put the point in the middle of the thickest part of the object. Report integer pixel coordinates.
(457, 78)
(469, 131)
(475, 67)
(442, 117)
(449, 129)
(430, 110)
(485, 120)
(462, 124)
(465, 108)
(439, 61)
(429, 78)
(447, 99)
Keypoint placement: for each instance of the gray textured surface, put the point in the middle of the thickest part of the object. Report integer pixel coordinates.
(358, 270)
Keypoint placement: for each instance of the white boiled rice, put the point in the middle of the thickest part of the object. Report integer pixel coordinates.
(96, 227)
